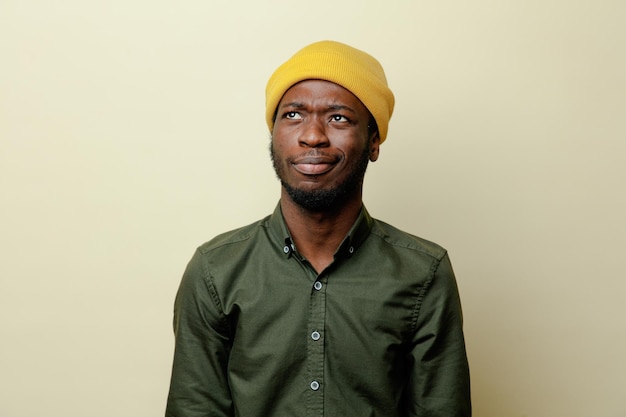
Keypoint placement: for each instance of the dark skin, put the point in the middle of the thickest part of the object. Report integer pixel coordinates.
(320, 132)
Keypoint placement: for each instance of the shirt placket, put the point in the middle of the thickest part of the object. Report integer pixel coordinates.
(315, 347)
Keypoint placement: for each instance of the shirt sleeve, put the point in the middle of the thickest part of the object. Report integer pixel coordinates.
(439, 384)
(199, 384)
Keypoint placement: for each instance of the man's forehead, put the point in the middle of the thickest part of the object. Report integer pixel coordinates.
(324, 92)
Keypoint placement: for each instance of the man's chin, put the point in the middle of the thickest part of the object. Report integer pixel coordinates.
(315, 199)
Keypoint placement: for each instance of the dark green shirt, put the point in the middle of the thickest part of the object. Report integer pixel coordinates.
(260, 334)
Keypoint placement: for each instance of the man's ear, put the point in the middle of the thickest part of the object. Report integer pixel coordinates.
(375, 146)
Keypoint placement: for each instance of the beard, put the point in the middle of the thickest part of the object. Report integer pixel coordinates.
(326, 198)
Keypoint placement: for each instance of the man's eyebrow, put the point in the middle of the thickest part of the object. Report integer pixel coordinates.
(295, 104)
(341, 107)
(331, 107)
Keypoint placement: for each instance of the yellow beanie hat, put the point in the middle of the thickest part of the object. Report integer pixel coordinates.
(354, 70)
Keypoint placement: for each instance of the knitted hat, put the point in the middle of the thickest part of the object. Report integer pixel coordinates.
(354, 70)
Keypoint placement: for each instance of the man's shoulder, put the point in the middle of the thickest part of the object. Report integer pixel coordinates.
(401, 240)
(234, 236)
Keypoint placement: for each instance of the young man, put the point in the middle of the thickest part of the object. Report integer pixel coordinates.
(319, 309)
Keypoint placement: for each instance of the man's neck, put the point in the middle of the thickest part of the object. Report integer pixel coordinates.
(318, 234)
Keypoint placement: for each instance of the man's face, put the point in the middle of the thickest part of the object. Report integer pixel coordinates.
(320, 144)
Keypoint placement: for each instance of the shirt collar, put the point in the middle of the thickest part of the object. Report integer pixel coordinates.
(350, 244)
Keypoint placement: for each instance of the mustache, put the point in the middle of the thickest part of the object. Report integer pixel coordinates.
(312, 154)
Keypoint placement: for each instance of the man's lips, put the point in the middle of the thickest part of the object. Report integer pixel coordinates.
(314, 165)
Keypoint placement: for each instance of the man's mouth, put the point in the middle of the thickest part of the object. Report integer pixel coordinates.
(314, 165)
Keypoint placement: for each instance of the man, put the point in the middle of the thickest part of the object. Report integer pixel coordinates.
(319, 309)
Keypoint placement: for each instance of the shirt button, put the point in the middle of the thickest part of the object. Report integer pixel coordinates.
(351, 250)
(317, 285)
(286, 249)
(315, 336)
(315, 385)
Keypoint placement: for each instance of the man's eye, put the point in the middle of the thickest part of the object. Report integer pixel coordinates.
(293, 115)
(338, 118)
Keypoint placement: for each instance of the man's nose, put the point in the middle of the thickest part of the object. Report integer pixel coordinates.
(314, 134)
